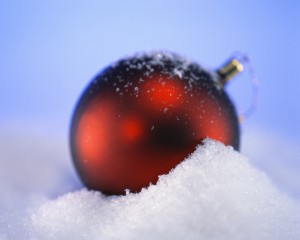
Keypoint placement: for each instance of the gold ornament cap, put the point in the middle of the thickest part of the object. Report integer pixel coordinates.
(229, 70)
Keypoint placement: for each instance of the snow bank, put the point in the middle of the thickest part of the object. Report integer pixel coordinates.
(213, 194)
(276, 155)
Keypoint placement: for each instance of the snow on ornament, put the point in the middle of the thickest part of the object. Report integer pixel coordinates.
(144, 114)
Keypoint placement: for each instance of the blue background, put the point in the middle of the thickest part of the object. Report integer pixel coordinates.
(50, 50)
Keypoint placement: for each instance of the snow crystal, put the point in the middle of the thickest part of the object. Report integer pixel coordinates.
(178, 73)
(214, 194)
(164, 59)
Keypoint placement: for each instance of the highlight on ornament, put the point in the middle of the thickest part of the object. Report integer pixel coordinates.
(143, 115)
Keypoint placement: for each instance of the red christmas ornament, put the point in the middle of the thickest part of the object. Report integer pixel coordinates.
(143, 115)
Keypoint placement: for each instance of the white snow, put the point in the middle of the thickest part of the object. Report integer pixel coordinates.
(213, 194)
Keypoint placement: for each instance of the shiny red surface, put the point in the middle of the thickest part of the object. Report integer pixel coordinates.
(125, 139)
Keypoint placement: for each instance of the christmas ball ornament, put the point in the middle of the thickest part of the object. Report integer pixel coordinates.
(143, 115)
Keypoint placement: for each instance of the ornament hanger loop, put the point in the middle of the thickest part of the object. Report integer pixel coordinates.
(235, 65)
